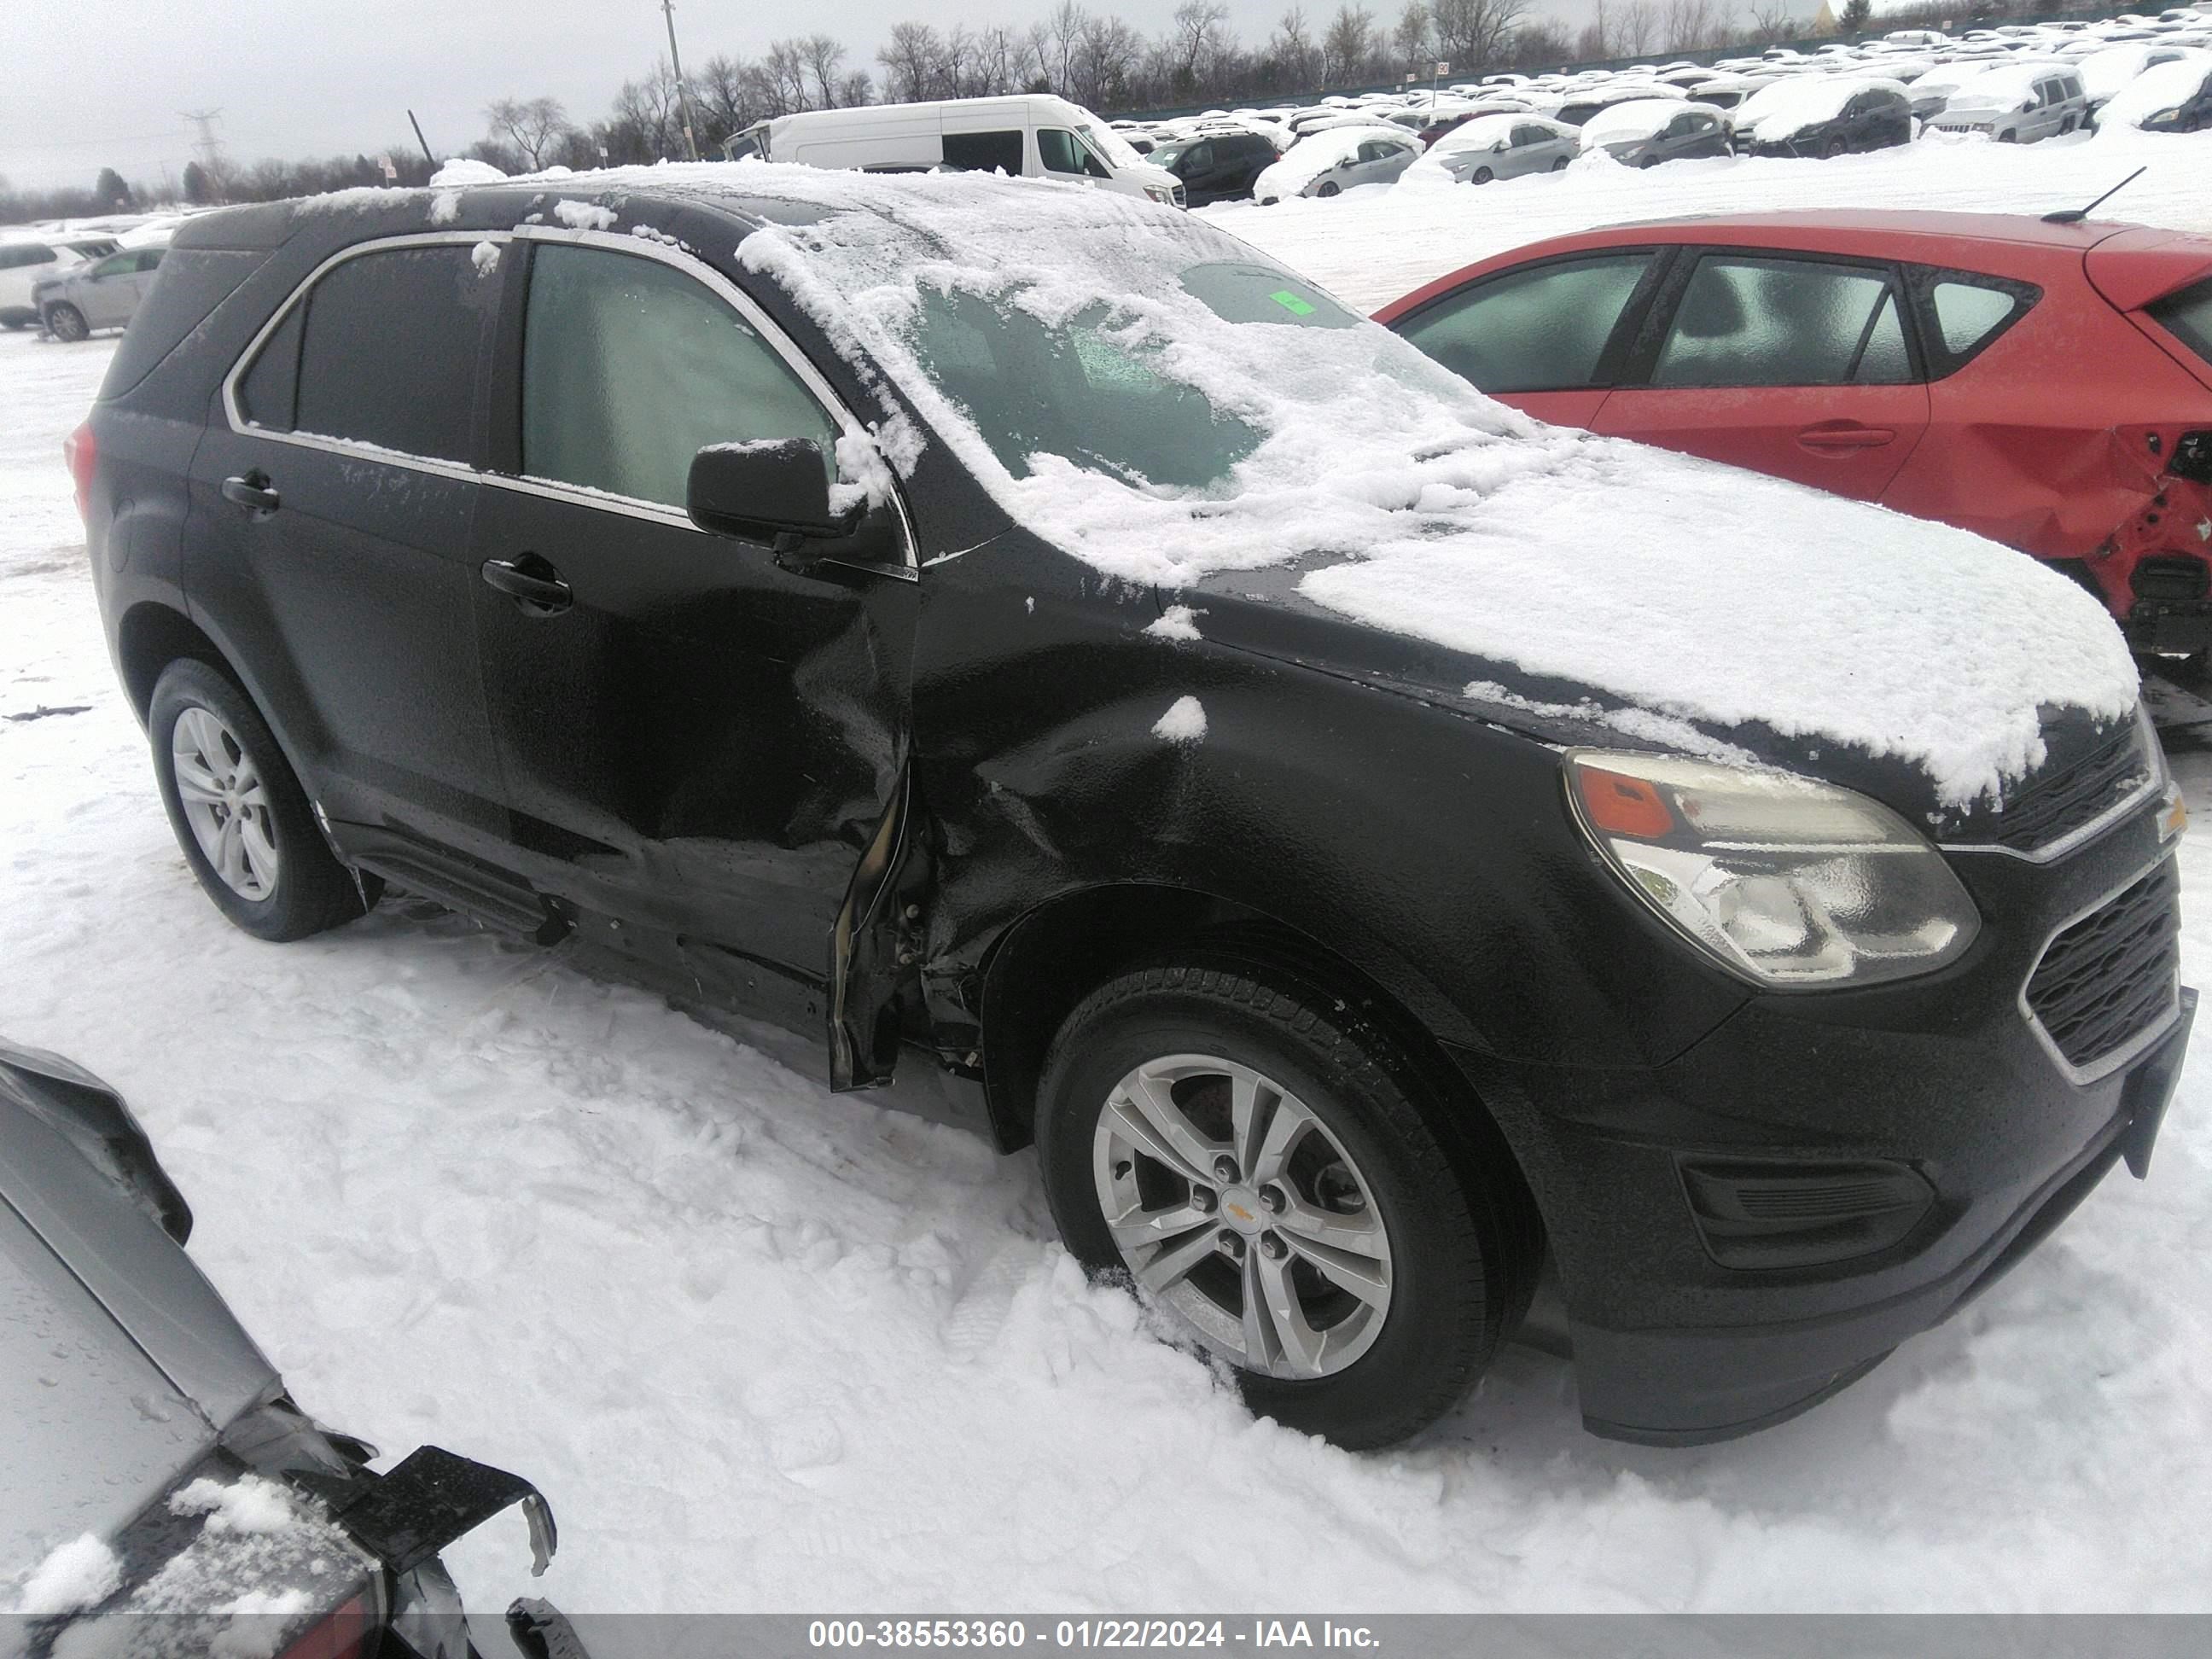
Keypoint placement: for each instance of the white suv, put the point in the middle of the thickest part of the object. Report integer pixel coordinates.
(24, 265)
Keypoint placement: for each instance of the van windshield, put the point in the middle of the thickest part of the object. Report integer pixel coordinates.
(1097, 389)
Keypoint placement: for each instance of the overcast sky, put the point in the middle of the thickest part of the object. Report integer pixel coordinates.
(91, 83)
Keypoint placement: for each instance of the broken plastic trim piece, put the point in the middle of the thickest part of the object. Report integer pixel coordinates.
(434, 1497)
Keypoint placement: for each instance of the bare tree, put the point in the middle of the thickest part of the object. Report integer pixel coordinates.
(531, 127)
(1771, 20)
(1685, 25)
(1347, 51)
(784, 69)
(1639, 27)
(1105, 62)
(822, 56)
(1054, 42)
(1292, 48)
(1198, 35)
(1409, 36)
(1474, 35)
(909, 60)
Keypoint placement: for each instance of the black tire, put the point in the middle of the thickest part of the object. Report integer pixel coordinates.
(1483, 175)
(1648, 162)
(1558, 164)
(1329, 187)
(312, 892)
(2008, 136)
(1464, 1239)
(12, 322)
(65, 322)
(1832, 149)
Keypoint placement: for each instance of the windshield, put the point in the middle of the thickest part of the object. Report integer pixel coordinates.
(1096, 389)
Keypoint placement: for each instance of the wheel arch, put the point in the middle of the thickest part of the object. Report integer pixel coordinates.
(153, 635)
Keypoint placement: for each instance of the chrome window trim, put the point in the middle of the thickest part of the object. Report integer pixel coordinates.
(2135, 1046)
(637, 247)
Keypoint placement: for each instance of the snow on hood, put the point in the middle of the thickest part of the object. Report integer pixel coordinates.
(1786, 108)
(1638, 119)
(2155, 89)
(2009, 87)
(1402, 497)
(1315, 153)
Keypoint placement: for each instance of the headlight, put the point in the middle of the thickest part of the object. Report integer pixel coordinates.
(1784, 879)
(1166, 196)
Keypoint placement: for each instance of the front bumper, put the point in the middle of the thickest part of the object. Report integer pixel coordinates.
(1748, 1228)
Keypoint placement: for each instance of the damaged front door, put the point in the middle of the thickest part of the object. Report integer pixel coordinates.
(699, 745)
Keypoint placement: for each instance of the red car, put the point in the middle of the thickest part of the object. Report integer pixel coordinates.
(2048, 385)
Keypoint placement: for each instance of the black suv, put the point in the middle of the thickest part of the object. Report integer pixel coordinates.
(1097, 684)
(1217, 167)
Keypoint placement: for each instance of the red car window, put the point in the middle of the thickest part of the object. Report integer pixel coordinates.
(1539, 330)
(1754, 322)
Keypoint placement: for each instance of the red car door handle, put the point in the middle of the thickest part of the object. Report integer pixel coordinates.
(1843, 435)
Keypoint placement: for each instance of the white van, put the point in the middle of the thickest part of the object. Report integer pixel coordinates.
(1033, 136)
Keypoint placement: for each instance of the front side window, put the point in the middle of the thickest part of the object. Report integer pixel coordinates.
(388, 348)
(1542, 329)
(1784, 322)
(630, 367)
(1062, 151)
(985, 152)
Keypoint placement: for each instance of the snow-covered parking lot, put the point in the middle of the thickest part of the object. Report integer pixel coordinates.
(767, 1349)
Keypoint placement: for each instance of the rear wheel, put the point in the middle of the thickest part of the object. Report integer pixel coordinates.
(1269, 1172)
(238, 812)
(1558, 164)
(65, 322)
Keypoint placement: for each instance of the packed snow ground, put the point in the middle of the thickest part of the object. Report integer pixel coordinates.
(767, 1349)
(1372, 243)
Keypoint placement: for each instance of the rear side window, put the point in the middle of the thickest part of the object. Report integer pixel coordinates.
(15, 255)
(1964, 312)
(985, 152)
(629, 368)
(389, 350)
(1784, 322)
(2187, 316)
(1542, 329)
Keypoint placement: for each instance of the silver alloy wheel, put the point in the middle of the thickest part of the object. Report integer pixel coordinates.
(225, 803)
(1236, 1209)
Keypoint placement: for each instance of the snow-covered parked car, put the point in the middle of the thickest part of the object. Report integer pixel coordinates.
(1646, 132)
(1101, 689)
(2017, 104)
(1826, 116)
(1336, 159)
(161, 1493)
(2104, 73)
(2173, 97)
(27, 261)
(1504, 146)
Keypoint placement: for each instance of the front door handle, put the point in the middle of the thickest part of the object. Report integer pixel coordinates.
(253, 492)
(1846, 435)
(535, 585)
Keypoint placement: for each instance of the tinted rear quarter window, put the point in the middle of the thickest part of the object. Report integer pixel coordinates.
(985, 152)
(2187, 316)
(389, 349)
(1964, 312)
(193, 281)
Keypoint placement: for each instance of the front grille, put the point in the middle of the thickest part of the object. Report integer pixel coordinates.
(2110, 976)
(2053, 807)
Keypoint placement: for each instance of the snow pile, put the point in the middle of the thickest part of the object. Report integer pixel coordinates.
(79, 1574)
(464, 170)
(1178, 623)
(1315, 155)
(1184, 722)
(2161, 88)
(1636, 119)
(1778, 112)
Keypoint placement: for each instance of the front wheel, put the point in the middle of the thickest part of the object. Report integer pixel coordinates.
(239, 815)
(1329, 188)
(65, 322)
(1832, 149)
(1483, 175)
(1267, 1171)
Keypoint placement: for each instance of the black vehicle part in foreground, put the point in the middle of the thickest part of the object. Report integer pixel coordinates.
(1330, 1024)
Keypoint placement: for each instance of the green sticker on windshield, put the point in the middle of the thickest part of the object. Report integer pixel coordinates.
(1291, 303)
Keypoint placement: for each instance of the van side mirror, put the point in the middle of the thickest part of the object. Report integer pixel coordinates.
(776, 491)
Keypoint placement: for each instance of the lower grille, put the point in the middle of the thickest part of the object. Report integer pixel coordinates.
(2110, 976)
(2171, 581)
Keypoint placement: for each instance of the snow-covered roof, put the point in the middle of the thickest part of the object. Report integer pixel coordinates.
(2007, 87)
(1479, 133)
(1638, 119)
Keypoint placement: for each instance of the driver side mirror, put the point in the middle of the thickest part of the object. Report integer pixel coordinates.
(776, 490)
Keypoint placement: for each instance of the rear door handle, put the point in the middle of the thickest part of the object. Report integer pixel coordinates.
(253, 492)
(539, 591)
(1846, 437)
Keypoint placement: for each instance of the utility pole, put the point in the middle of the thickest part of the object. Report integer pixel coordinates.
(683, 87)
